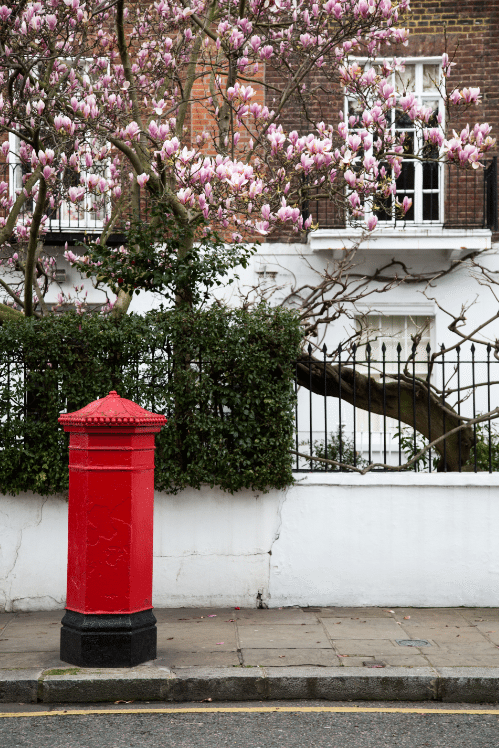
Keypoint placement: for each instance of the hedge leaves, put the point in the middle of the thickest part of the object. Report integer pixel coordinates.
(222, 377)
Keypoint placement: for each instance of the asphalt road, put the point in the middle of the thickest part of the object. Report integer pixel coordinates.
(429, 727)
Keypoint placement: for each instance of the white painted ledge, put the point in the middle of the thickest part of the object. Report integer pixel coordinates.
(456, 242)
(445, 480)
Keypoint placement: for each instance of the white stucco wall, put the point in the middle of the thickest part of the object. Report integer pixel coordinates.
(413, 539)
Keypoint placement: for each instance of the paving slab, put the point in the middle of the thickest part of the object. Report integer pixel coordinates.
(32, 632)
(290, 657)
(462, 659)
(31, 660)
(353, 613)
(350, 628)
(206, 635)
(273, 616)
(375, 647)
(310, 636)
(458, 634)
(389, 661)
(480, 614)
(482, 648)
(180, 659)
(489, 629)
(191, 614)
(19, 640)
(6, 618)
(454, 616)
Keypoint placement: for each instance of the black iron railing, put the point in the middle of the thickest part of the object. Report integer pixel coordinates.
(449, 197)
(87, 215)
(378, 407)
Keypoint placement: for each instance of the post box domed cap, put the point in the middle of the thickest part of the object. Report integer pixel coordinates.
(114, 410)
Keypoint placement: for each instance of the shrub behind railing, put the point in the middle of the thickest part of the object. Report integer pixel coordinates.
(223, 378)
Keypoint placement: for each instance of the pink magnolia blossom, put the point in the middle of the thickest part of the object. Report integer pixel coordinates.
(76, 194)
(406, 204)
(235, 163)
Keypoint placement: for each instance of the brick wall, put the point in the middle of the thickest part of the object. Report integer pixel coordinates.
(469, 32)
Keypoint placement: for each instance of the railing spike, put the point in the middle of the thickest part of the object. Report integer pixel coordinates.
(309, 349)
(489, 347)
(399, 348)
(428, 348)
(324, 349)
(383, 348)
(472, 348)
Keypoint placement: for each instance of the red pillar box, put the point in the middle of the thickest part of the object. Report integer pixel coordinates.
(109, 620)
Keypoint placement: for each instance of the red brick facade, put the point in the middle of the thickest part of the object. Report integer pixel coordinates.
(469, 33)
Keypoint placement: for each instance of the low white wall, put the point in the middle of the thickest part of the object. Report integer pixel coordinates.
(413, 539)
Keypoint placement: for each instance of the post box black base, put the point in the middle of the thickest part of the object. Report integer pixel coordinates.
(108, 640)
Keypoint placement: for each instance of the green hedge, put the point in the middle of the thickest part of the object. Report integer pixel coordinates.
(223, 379)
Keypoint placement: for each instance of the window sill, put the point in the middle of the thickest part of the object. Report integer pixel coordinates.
(455, 242)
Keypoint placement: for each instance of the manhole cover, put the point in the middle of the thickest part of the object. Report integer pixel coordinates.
(413, 642)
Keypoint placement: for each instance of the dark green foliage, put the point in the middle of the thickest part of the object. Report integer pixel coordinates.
(223, 379)
(486, 448)
(331, 450)
(154, 259)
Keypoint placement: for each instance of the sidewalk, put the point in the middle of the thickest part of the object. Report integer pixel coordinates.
(289, 653)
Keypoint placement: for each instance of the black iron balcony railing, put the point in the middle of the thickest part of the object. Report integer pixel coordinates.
(443, 195)
(85, 216)
(446, 196)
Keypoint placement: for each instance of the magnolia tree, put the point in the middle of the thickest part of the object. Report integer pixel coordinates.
(200, 117)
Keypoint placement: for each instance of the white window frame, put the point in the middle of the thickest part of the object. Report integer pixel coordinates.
(421, 96)
(406, 317)
(64, 222)
(391, 368)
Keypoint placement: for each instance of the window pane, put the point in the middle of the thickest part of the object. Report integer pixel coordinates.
(394, 329)
(430, 206)
(431, 75)
(405, 80)
(407, 139)
(354, 108)
(402, 119)
(430, 176)
(382, 209)
(406, 179)
(433, 121)
(430, 151)
(409, 216)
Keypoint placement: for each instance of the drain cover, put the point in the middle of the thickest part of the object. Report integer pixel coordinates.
(413, 642)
